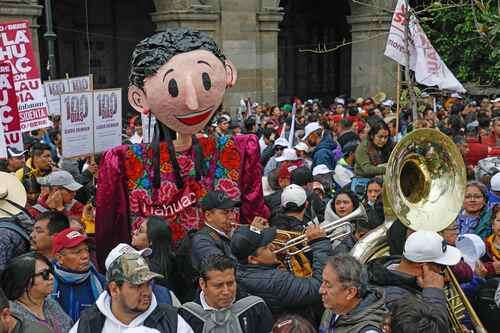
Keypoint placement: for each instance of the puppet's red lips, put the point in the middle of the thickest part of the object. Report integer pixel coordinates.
(195, 117)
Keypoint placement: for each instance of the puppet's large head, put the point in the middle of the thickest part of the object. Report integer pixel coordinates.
(180, 76)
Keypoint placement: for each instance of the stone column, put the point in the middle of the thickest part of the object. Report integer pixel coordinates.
(371, 71)
(267, 54)
(16, 10)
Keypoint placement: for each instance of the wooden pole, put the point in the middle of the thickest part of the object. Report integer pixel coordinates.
(409, 79)
(398, 90)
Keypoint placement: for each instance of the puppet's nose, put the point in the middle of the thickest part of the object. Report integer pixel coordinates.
(191, 96)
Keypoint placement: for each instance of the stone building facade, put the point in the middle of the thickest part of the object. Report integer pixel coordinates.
(268, 40)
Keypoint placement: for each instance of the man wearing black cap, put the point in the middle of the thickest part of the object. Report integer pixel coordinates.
(257, 272)
(15, 160)
(215, 236)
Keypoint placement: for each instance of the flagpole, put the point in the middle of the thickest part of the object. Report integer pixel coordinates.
(413, 98)
(398, 89)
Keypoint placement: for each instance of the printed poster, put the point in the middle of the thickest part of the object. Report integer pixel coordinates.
(53, 91)
(8, 109)
(16, 49)
(77, 124)
(107, 119)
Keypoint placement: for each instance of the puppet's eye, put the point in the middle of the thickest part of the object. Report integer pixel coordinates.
(173, 90)
(207, 83)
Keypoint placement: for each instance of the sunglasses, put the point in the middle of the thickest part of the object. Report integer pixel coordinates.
(45, 274)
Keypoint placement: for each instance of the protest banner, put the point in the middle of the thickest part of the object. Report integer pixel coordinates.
(107, 119)
(16, 49)
(8, 108)
(53, 91)
(77, 124)
(3, 147)
(429, 68)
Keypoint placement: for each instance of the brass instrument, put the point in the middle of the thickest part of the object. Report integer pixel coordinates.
(298, 263)
(424, 185)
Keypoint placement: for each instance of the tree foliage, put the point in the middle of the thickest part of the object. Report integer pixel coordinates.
(466, 35)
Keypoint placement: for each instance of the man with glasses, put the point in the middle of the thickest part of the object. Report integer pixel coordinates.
(420, 271)
(77, 284)
(129, 302)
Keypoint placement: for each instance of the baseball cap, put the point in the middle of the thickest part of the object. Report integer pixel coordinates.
(321, 169)
(311, 127)
(472, 248)
(281, 142)
(60, 178)
(428, 246)
(289, 154)
(339, 100)
(14, 152)
(67, 239)
(302, 146)
(122, 249)
(301, 176)
(247, 239)
(350, 147)
(130, 267)
(217, 200)
(495, 182)
(496, 100)
(456, 95)
(293, 194)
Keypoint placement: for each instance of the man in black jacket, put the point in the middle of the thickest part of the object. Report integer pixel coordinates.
(293, 205)
(257, 272)
(219, 298)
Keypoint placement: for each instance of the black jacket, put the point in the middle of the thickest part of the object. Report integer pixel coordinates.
(282, 291)
(285, 222)
(207, 242)
(163, 318)
(257, 319)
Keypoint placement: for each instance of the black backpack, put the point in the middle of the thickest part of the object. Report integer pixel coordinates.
(485, 305)
(185, 277)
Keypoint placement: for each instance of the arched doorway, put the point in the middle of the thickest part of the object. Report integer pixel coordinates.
(307, 25)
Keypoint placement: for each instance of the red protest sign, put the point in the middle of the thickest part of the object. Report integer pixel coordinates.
(8, 108)
(16, 49)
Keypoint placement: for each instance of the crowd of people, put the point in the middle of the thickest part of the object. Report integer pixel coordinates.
(319, 164)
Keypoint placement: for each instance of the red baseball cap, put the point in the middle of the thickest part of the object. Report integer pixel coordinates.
(66, 239)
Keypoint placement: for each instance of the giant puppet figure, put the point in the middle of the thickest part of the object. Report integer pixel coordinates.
(180, 76)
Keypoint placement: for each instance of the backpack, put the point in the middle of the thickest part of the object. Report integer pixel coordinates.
(185, 279)
(210, 322)
(486, 307)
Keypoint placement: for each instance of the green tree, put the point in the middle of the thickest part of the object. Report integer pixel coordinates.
(466, 35)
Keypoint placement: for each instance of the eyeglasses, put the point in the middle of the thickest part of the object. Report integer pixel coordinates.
(45, 274)
(473, 196)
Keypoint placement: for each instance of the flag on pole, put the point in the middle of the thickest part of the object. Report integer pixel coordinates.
(429, 68)
(292, 127)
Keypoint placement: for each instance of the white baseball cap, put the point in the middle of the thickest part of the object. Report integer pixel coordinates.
(289, 154)
(293, 193)
(456, 95)
(302, 146)
(472, 248)
(122, 249)
(429, 246)
(281, 142)
(311, 127)
(321, 169)
(495, 182)
(496, 100)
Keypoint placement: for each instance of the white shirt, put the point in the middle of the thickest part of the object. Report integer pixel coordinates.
(113, 325)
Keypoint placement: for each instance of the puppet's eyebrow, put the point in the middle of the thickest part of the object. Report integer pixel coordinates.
(204, 62)
(167, 72)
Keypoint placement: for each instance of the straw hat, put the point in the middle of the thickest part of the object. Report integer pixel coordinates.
(11, 189)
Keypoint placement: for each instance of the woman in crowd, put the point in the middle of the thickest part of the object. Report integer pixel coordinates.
(492, 257)
(474, 218)
(373, 153)
(373, 202)
(27, 282)
(154, 233)
(343, 203)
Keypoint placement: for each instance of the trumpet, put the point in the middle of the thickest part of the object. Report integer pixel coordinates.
(335, 230)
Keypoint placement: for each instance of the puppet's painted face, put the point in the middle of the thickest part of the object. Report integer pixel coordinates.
(186, 91)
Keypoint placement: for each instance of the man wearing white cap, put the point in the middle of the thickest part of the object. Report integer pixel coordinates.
(322, 142)
(420, 271)
(301, 149)
(15, 160)
(279, 146)
(293, 204)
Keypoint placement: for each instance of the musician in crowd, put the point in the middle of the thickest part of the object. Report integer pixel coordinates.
(351, 306)
(420, 271)
(303, 177)
(220, 304)
(258, 273)
(294, 204)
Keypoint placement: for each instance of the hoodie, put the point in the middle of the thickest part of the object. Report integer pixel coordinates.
(113, 325)
(323, 153)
